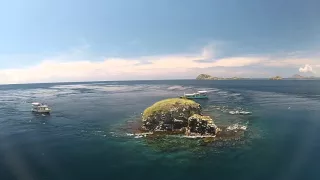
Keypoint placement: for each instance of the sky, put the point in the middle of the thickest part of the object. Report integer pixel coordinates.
(96, 40)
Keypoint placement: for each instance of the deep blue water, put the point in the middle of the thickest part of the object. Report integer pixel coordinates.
(80, 139)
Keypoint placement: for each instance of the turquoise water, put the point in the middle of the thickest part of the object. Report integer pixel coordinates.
(85, 136)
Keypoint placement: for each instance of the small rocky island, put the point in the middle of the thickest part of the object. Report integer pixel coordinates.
(179, 123)
(209, 77)
(205, 77)
(276, 78)
(178, 116)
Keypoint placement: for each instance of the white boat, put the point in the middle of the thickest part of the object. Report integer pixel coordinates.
(197, 95)
(244, 112)
(40, 108)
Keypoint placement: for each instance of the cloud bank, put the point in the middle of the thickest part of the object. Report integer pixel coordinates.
(61, 69)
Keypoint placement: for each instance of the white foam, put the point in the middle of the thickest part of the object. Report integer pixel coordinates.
(213, 90)
(198, 136)
(222, 92)
(129, 134)
(240, 112)
(235, 94)
(176, 88)
(139, 136)
(75, 86)
(25, 95)
(236, 127)
(103, 88)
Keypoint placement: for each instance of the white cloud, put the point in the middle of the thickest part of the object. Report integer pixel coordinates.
(306, 68)
(57, 69)
(292, 62)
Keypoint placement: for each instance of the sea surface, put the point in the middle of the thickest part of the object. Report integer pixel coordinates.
(85, 137)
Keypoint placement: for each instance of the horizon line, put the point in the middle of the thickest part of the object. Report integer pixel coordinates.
(98, 81)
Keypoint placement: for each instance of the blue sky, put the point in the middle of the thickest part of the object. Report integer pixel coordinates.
(252, 38)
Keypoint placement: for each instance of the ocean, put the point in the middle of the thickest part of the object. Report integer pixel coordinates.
(85, 137)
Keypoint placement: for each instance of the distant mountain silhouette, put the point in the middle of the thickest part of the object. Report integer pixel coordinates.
(209, 77)
(298, 76)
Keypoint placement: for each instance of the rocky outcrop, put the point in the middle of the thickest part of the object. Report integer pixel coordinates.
(205, 77)
(201, 124)
(235, 78)
(208, 77)
(177, 115)
(276, 78)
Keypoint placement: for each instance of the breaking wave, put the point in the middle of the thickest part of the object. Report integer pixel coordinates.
(232, 111)
(236, 126)
(177, 88)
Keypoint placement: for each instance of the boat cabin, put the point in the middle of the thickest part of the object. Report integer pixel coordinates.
(40, 108)
(197, 95)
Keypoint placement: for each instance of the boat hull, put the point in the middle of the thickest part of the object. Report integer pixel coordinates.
(42, 112)
(200, 97)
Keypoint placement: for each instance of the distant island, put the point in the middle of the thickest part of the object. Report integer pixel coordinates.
(276, 78)
(209, 77)
(294, 77)
(298, 76)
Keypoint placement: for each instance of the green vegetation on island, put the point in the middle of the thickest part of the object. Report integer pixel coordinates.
(167, 105)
